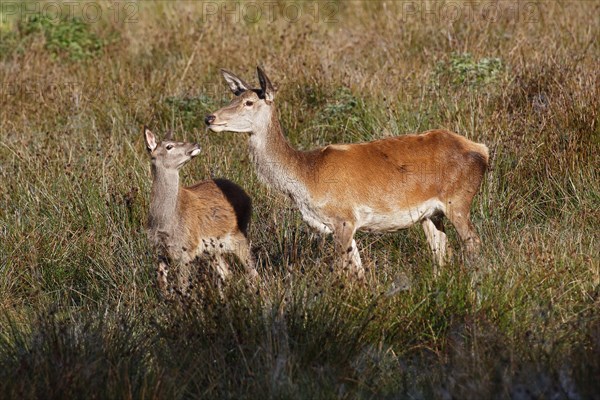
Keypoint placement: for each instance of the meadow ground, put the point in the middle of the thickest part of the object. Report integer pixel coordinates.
(80, 316)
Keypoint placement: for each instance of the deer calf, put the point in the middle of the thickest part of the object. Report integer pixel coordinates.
(383, 185)
(209, 218)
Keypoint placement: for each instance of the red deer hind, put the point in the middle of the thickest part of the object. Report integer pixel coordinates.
(378, 186)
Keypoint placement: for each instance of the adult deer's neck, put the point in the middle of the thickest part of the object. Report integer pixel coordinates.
(277, 163)
(163, 199)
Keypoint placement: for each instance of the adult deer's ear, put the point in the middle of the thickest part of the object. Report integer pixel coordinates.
(267, 91)
(237, 85)
(150, 139)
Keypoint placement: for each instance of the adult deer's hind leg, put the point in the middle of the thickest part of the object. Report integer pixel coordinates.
(437, 239)
(458, 208)
(459, 215)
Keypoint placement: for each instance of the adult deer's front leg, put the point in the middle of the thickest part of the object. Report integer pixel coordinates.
(346, 247)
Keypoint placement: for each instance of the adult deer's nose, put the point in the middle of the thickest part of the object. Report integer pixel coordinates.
(209, 119)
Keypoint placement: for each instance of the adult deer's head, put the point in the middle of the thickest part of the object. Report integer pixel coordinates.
(251, 108)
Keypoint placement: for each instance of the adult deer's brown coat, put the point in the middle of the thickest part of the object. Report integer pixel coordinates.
(383, 185)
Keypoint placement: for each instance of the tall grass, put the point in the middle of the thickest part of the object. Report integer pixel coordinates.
(80, 316)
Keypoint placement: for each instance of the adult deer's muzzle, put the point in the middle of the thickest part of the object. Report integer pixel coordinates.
(209, 119)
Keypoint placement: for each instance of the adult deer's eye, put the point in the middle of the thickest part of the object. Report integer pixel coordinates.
(169, 146)
(249, 103)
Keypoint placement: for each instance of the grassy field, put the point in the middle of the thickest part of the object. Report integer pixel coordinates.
(80, 316)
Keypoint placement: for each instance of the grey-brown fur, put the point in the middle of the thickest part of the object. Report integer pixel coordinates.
(208, 219)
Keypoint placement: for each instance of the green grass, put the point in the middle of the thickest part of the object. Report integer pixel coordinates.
(80, 316)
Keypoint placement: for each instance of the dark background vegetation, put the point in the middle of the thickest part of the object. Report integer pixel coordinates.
(80, 316)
